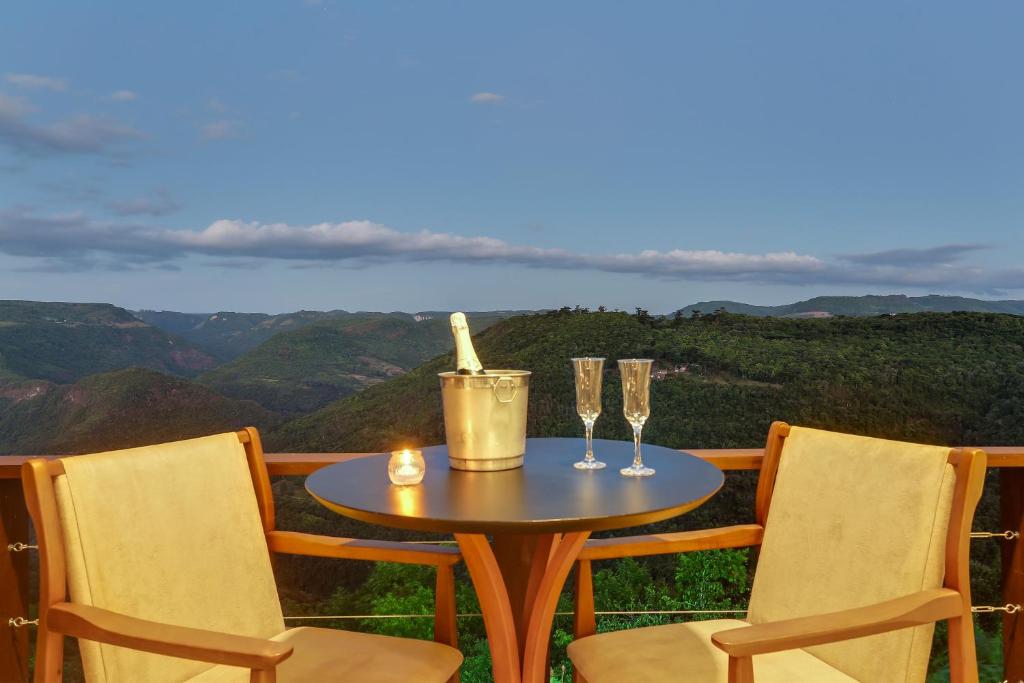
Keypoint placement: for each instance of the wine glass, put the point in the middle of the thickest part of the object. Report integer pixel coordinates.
(636, 406)
(589, 373)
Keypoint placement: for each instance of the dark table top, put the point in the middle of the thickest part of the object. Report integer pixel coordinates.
(546, 495)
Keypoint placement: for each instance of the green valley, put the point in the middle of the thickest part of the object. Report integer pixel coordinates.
(228, 335)
(300, 371)
(116, 409)
(62, 343)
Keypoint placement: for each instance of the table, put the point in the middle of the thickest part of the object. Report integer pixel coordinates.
(538, 517)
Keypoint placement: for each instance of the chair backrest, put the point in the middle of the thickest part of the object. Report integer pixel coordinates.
(853, 521)
(171, 533)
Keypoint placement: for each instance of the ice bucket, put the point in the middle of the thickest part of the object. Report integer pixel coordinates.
(485, 419)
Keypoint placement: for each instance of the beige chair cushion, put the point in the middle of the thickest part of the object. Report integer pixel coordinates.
(170, 533)
(684, 652)
(855, 521)
(323, 654)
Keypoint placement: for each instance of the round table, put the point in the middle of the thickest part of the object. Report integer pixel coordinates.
(538, 517)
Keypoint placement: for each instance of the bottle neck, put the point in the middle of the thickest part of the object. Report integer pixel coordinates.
(466, 361)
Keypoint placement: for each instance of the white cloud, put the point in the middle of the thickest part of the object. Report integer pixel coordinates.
(220, 130)
(82, 134)
(23, 232)
(487, 98)
(35, 82)
(84, 242)
(217, 105)
(124, 96)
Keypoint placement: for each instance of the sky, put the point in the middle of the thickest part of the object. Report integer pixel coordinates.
(318, 154)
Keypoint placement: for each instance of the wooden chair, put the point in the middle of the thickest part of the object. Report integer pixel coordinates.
(863, 546)
(166, 551)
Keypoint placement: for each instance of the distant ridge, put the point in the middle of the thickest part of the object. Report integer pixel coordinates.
(227, 335)
(826, 306)
(64, 342)
(304, 368)
(118, 409)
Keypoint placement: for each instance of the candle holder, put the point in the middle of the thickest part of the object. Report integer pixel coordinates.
(406, 467)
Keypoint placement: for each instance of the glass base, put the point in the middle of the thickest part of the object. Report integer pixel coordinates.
(632, 471)
(589, 465)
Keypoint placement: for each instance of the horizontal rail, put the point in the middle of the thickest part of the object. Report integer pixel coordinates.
(290, 464)
(1010, 609)
(18, 622)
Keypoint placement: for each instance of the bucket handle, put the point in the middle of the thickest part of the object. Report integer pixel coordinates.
(510, 384)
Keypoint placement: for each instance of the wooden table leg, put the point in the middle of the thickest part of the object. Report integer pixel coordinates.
(518, 583)
(542, 614)
(523, 559)
(494, 603)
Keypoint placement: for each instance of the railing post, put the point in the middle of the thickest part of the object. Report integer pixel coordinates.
(1011, 503)
(13, 582)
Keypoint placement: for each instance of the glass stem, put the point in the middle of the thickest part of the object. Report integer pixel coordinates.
(589, 424)
(637, 462)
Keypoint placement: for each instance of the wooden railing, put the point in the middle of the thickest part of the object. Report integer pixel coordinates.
(14, 529)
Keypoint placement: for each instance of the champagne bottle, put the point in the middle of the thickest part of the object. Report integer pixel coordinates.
(466, 362)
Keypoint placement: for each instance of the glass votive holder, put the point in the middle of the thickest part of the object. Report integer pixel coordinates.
(406, 467)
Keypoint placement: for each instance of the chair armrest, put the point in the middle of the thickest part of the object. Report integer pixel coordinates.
(911, 610)
(104, 626)
(738, 536)
(296, 543)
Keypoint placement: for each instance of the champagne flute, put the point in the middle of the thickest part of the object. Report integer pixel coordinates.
(589, 372)
(636, 406)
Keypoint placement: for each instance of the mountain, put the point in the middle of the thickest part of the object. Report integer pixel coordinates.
(721, 379)
(228, 335)
(736, 307)
(823, 306)
(116, 410)
(63, 342)
(303, 370)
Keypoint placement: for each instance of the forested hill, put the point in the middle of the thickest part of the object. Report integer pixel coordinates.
(228, 335)
(300, 371)
(942, 378)
(863, 305)
(117, 409)
(61, 342)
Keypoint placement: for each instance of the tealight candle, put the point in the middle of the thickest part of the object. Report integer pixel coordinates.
(406, 467)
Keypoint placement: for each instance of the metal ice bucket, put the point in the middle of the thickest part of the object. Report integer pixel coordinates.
(485, 419)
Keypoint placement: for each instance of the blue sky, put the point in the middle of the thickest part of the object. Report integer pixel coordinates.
(271, 156)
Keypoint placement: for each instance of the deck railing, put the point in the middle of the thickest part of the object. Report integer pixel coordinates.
(15, 549)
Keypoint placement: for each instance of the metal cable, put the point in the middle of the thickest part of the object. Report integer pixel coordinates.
(19, 546)
(1006, 535)
(18, 622)
(557, 614)
(1009, 608)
